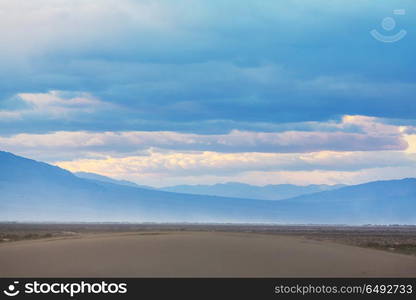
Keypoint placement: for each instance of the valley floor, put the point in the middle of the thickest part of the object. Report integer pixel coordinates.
(173, 253)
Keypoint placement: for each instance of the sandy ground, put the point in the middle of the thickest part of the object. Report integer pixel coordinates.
(196, 254)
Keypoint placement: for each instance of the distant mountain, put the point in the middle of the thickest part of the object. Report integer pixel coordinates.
(241, 190)
(229, 190)
(97, 177)
(378, 202)
(35, 191)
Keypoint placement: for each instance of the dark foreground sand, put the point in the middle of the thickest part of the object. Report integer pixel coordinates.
(196, 254)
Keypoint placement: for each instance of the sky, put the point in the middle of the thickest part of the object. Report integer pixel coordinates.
(202, 92)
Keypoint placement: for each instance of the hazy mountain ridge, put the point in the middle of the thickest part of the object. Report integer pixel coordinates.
(35, 191)
(229, 189)
(40, 192)
(241, 190)
(378, 202)
(97, 177)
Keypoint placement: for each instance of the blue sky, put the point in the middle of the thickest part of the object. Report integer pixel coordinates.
(210, 91)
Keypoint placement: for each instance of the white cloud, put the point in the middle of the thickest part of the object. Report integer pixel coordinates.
(54, 104)
(370, 135)
(256, 157)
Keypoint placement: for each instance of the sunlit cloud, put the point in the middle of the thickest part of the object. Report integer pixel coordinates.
(199, 164)
(350, 146)
(353, 133)
(411, 141)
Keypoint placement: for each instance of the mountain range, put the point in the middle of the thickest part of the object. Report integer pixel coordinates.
(229, 189)
(241, 190)
(36, 191)
(97, 177)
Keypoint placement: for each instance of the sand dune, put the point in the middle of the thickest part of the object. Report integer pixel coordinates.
(196, 254)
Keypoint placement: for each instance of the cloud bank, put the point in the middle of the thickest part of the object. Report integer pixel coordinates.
(247, 90)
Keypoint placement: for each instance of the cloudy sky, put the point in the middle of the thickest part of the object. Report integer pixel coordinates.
(192, 92)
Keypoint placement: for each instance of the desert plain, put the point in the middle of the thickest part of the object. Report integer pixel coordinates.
(186, 250)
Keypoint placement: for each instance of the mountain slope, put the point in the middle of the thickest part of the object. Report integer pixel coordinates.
(97, 177)
(381, 202)
(229, 190)
(35, 191)
(240, 190)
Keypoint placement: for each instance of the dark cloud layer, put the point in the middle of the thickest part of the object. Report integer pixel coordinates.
(206, 66)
